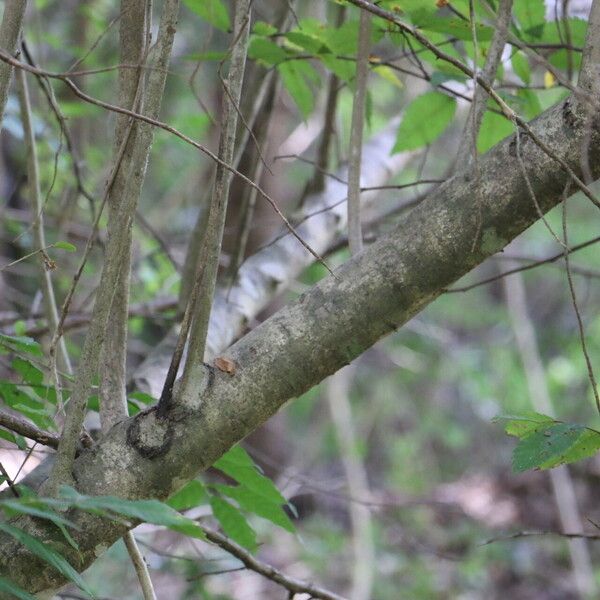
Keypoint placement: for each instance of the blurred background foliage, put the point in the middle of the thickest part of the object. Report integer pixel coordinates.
(423, 400)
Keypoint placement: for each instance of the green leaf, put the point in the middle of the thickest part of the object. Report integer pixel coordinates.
(262, 28)
(135, 399)
(551, 34)
(456, 28)
(36, 508)
(238, 464)
(520, 65)
(560, 59)
(21, 343)
(524, 424)
(529, 103)
(266, 51)
(389, 75)
(11, 588)
(143, 397)
(65, 246)
(212, 11)
(47, 554)
(233, 523)
(189, 496)
(310, 43)
(295, 83)
(148, 511)
(344, 69)
(494, 127)
(257, 504)
(555, 445)
(424, 120)
(531, 15)
(8, 436)
(28, 372)
(343, 40)
(20, 327)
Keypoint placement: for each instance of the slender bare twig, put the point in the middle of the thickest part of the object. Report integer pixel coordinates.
(4, 57)
(580, 327)
(9, 481)
(338, 392)
(256, 167)
(521, 534)
(493, 58)
(48, 92)
(94, 45)
(560, 478)
(158, 238)
(508, 112)
(218, 207)
(536, 264)
(28, 430)
(38, 227)
(293, 585)
(61, 471)
(356, 133)
(10, 30)
(140, 566)
(124, 194)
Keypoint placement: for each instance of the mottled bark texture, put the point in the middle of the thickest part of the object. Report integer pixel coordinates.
(370, 296)
(269, 271)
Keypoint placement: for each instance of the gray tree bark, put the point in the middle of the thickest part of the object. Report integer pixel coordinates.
(370, 296)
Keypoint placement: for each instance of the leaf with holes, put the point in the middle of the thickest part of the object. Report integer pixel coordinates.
(554, 445)
(524, 424)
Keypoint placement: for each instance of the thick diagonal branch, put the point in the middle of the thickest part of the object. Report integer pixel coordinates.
(269, 271)
(371, 296)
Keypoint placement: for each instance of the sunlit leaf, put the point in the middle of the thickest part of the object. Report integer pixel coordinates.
(524, 424)
(456, 28)
(424, 120)
(21, 343)
(531, 15)
(389, 75)
(211, 11)
(65, 246)
(266, 51)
